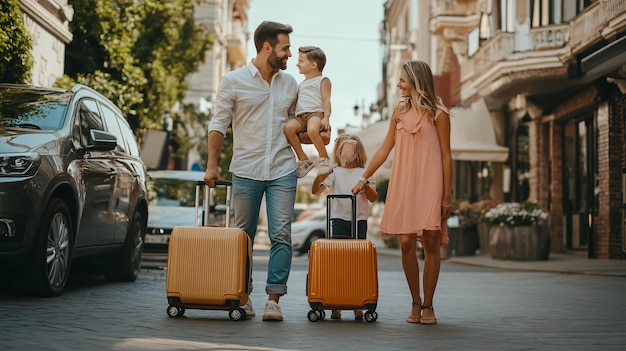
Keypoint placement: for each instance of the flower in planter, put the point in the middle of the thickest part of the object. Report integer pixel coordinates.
(473, 213)
(516, 214)
(468, 213)
(484, 206)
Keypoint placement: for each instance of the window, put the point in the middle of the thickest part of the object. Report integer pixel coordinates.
(580, 179)
(473, 42)
(506, 15)
(114, 128)
(540, 14)
(133, 149)
(546, 12)
(473, 180)
(88, 119)
(522, 164)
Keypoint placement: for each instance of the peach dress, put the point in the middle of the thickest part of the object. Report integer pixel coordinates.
(416, 183)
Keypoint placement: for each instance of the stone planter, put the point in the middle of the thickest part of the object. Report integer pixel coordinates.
(483, 237)
(521, 243)
(467, 241)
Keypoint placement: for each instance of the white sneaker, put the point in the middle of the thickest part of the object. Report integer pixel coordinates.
(303, 168)
(324, 166)
(248, 309)
(272, 312)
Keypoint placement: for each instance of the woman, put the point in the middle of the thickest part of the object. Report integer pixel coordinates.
(418, 197)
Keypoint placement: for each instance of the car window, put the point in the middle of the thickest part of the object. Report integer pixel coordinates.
(113, 127)
(133, 149)
(171, 192)
(33, 109)
(88, 118)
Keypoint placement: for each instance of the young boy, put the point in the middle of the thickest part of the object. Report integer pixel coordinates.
(312, 110)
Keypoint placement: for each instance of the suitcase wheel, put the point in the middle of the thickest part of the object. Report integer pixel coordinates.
(313, 316)
(236, 314)
(371, 316)
(175, 311)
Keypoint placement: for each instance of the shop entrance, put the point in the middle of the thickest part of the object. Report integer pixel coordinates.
(580, 200)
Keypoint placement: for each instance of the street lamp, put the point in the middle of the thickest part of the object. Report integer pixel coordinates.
(360, 109)
(365, 117)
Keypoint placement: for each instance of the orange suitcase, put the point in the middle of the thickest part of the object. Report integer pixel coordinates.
(208, 267)
(343, 273)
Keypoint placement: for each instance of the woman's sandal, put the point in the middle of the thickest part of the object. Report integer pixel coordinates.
(428, 320)
(412, 319)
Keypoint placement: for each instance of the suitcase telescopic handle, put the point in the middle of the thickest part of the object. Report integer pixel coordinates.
(208, 200)
(329, 197)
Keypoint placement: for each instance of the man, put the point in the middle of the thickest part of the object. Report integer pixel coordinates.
(258, 100)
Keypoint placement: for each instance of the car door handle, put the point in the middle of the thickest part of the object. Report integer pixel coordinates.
(112, 172)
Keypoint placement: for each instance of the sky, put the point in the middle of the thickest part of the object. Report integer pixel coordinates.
(349, 33)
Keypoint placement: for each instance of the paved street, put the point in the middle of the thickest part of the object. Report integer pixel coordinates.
(478, 309)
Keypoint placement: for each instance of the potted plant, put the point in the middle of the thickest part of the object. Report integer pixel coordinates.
(483, 206)
(466, 242)
(518, 231)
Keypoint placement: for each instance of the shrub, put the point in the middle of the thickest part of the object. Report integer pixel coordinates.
(516, 214)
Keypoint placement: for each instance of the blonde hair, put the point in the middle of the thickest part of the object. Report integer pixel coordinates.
(419, 77)
(361, 156)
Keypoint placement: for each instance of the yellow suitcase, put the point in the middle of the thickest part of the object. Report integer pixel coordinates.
(208, 267)
(343, 273)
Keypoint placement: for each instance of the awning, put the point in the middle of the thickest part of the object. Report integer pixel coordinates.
(472, 137)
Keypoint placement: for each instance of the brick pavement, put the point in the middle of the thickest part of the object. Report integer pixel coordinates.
(478, 309)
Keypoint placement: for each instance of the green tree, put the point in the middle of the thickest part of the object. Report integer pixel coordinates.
(16, 61)
(137, 53)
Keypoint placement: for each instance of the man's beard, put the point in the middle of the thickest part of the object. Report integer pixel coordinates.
(276, 63)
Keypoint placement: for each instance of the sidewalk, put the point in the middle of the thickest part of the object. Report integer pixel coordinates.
(557, 263)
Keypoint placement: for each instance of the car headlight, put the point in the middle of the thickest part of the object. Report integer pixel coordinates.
(13, 165)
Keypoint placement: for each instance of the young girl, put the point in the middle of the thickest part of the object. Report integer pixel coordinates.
(349, 155)
(418, 196)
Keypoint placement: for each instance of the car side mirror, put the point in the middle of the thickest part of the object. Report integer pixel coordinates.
(102, 141)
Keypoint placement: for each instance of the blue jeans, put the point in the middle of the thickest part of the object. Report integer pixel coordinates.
(280, 197)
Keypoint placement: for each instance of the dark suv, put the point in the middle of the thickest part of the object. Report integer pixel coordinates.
(72, 185)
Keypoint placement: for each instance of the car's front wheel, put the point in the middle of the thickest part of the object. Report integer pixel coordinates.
(125, 266)
(50, 264)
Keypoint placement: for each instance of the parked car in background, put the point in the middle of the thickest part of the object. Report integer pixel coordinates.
(307, 230)
(172, 198)
(72, 186)
(298, 209)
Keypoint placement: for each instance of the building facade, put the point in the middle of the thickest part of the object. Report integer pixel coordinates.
(227, 22)
(47, 22)
(552, 76)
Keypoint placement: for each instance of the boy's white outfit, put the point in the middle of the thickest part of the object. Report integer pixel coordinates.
(310, 103)
(310, 96)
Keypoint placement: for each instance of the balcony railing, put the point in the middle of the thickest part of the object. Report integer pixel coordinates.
(236, 48)
(587, 27)
(496, 49)
(550, 37)
(453, 8)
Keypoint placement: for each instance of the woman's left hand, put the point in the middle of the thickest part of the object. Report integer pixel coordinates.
(446, 210)
(358, 188)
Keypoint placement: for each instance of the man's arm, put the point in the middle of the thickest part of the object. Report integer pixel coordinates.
(216, 140)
